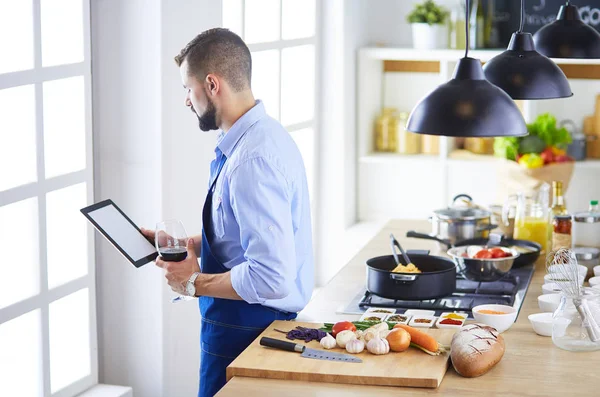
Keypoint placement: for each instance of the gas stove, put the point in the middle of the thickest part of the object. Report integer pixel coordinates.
(510, 290)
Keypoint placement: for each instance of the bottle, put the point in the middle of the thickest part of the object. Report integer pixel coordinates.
(458, 39)
(561, 232)
(477, 25)
(558, 201)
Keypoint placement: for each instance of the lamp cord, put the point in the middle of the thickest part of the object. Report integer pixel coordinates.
(522, 16)
(467, 22)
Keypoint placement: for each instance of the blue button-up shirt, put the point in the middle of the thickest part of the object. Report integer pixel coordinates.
(261, 213)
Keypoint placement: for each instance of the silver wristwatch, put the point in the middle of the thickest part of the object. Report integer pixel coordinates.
(190, 286)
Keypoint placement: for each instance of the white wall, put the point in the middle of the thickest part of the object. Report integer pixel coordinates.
(152, 160)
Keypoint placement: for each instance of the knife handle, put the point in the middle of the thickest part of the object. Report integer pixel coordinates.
(281, 344)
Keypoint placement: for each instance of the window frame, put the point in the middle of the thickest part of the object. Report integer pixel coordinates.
(37, 76)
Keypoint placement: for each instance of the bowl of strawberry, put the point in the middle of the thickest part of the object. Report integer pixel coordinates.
(483, 263)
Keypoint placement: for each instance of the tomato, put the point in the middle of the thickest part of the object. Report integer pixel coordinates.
(483, 254)
(498, 253)
(342, 326)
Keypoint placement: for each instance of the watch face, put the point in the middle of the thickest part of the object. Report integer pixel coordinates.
(190, 289)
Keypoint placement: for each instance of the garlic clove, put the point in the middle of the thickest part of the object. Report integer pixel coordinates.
(327, 342)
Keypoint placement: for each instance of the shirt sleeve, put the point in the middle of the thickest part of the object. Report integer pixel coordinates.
(262, 207)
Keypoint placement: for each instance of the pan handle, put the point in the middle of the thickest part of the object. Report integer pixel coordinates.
(405, 278)
(413, 234)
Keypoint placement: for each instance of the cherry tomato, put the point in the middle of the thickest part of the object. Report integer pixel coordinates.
(342, 326)
(498, 253)
(483, 254)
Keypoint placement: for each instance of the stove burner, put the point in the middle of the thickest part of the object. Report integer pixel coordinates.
(509, 290)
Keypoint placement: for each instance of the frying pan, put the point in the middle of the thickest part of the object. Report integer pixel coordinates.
(529, 250)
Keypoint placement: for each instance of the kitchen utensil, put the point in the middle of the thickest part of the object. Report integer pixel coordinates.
(501, 322)
(411, 368)
(564, 264)
(461, 223)
(491, 269)
(307, 352)
(394, 243)
(529, 251)
(437, 278)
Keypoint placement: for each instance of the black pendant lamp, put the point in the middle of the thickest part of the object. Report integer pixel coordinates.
(568, 36)
(523, 73)
(468, 105)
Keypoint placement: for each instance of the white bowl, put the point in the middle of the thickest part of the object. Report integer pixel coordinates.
(555, 278)
(501, 322)
(594, 281)
(551, 288)
(549, 302)
(597, 271)
(582, 270)
(542, 323)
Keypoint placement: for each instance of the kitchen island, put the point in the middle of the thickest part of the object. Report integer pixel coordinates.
(532, 365)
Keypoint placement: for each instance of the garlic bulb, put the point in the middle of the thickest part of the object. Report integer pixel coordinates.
(327, 342)
(380, 327)
(378, 346)
(355, 346)
(383, 334)
(359, 334)
(344, 337)
(370, 334)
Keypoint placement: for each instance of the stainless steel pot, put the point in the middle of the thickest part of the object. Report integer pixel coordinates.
(458, 224)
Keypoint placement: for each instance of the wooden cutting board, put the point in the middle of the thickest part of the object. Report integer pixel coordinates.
(412, 368)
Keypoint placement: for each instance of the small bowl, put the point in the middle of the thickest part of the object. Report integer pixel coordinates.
(582, 270)
(549, 302)
(597, 271)
(554, 278)
(594, 281)
(373, 317)
(414, 321)
(542, 323)
(551, 288)
(476, 269)
(501, 322)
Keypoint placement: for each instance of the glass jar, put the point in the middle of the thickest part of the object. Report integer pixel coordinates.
(569, 332)
(561, 232)
(406, 142)
(386, 128)
(430, 144)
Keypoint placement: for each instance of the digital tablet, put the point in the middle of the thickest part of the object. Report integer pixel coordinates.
(109, 220)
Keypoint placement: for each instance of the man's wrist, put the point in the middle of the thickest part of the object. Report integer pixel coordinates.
(199, 284)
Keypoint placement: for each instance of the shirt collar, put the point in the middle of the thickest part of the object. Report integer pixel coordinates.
(227, 141)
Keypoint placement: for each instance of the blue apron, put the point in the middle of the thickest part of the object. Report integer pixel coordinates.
(228, 326)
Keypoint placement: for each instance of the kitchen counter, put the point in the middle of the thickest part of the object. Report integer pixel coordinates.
(531, 366)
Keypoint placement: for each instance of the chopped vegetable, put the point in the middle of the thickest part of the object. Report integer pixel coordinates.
(342, 326)
(307, 334)
(422, 340)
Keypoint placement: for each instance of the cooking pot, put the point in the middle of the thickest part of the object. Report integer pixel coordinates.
(457, 223)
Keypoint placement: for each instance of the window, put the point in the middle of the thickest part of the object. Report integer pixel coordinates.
(47, 293)
(282, 38)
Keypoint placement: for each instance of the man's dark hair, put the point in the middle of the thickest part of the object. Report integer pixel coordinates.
(221, 52)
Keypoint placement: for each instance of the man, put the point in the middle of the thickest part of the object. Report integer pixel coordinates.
(256, 247)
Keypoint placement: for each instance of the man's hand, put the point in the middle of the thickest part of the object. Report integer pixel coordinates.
(178, 273)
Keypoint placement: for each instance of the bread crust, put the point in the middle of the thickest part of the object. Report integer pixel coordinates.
(476, 349)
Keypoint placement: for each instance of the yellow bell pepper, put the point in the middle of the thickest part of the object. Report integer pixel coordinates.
(531, 160)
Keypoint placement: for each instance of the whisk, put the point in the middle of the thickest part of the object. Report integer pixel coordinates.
(562, 264)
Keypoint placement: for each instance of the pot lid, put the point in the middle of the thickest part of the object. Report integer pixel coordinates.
(462, 214)
(587, 217)
(586, 253)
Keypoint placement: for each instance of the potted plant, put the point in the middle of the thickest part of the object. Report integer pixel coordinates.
(429, 27)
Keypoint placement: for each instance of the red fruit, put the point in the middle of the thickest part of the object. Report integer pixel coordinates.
(562, 158)
(547, 156)
(483, 254)
(498, 253)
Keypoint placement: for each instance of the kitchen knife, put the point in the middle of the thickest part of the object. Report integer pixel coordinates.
(307, 352)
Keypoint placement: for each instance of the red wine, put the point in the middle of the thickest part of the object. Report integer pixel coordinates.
(173, 254)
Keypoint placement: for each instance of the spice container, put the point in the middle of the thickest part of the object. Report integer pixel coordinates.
(586, 227)
(561, 233)
(422, 321)
(406, 142)
(397, 318)
(450, 320)
(588, 257)
(386, 127)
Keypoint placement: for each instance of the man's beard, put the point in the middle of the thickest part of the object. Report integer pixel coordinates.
(208, 120)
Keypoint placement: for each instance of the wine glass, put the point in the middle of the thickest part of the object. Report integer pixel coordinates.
(171, 243)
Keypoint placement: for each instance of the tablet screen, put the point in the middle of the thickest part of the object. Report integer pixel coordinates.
(114, 225)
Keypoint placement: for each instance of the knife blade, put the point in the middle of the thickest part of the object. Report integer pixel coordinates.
(308, 352)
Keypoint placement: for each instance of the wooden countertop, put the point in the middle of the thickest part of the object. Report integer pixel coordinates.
(532, 365)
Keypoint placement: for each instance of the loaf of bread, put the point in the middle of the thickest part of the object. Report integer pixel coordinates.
(475, 349)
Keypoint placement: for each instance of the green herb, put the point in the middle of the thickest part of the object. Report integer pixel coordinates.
(545, 128)
(507, 148)
(429, 13)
